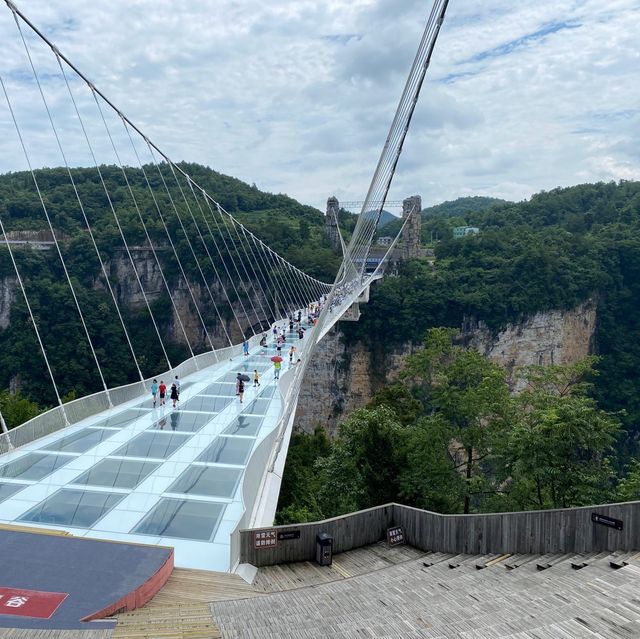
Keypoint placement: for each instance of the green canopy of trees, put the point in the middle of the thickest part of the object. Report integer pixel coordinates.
(555, 251)
(449, 437)
(294, 230)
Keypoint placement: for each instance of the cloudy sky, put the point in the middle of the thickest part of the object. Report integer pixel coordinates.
(297, 96)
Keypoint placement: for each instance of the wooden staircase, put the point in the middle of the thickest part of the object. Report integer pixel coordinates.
(181, 609)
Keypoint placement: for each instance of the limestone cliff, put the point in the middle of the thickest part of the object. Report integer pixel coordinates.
(340, 379)
(552, 337)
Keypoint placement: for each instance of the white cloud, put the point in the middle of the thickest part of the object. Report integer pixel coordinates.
(298, 96)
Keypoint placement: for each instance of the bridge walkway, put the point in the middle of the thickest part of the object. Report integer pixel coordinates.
(135, 473)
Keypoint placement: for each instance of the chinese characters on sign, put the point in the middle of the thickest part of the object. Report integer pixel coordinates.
(265, 539)
(395, 536)
(30, 603)
(603, 520)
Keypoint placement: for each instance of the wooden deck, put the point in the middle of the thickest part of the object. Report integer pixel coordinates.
(28, 633)
(345, 565)
(181, 609)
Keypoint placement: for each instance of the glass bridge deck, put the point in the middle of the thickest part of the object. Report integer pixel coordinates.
(155, 476)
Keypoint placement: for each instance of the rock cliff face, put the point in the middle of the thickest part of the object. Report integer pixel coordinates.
(553, 337)
(8, 286)
(340, 380)
(172, 320)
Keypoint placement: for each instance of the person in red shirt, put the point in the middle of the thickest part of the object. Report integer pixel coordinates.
(162, 389)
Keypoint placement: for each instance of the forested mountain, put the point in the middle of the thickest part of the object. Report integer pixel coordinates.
(294, 230)
(551, 252)
(459, 209)
(554, 251)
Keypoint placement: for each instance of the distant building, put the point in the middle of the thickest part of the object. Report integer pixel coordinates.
(461, 231)
(385, 241)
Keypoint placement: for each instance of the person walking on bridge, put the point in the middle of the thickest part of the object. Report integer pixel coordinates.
(245, 347)
(276, 369)
(256, 378)
(162, 389)
(292, 352)
(174, 394)
(154, 391)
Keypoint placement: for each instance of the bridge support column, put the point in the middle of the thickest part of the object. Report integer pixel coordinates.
(412, 208)
(331, 222)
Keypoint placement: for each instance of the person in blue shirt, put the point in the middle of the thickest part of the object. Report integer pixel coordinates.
(245, 347)
(154, 391)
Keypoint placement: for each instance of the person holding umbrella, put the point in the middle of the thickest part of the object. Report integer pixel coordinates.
(277, 365)
(240, 380)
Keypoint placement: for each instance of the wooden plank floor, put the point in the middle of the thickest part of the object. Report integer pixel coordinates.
(24, 633)
(345, 565)
(181, 609)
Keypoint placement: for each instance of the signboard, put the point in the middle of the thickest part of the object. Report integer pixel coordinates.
(265, 539)
(603, 520)
(288, 534)
(30, 603)
(395, 536)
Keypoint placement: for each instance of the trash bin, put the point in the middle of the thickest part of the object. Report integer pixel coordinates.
(324, 549)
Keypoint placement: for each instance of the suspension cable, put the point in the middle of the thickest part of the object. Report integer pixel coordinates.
(184, 197)
(126, 245)
(90, 230)
(44, 207)
(153, 250)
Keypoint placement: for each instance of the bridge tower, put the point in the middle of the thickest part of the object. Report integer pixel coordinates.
(411, 207)
(331, 222)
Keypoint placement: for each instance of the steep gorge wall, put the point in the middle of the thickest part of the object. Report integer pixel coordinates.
(129, 295)
(341, 379)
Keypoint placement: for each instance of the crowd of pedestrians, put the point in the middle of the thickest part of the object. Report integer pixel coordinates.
(290, 329)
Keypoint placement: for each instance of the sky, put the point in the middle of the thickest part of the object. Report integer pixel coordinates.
(298, 96)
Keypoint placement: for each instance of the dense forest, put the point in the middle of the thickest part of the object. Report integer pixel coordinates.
(294, 230)
(554, 251)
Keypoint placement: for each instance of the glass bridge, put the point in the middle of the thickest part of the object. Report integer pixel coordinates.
(152, 475)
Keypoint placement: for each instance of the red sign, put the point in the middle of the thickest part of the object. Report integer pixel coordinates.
(30, 603)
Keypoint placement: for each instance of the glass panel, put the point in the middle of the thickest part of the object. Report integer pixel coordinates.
(208, 404)
(153, 445)
(80, 508)
(244, 425)
(247, 369)
(220, 389)
(227, 450)
(177, 420)
(121, 420)
(81, 441)
(117, 473)
(34, 466)
(183, 519)
(268, 392)
(207, 481)
(6, 490)
(257, 407)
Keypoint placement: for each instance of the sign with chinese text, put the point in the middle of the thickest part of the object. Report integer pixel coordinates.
(30, 603)
(395, 536)
(610, 522)
(265, 539)
(288, 534)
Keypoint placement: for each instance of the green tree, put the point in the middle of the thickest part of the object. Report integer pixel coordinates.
(17, 409)
(298, 500)
(558, 452)
(430, 478)
(364, 465)
(471, 395)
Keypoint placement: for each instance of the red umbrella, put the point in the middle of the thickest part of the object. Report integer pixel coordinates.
(276, 358)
